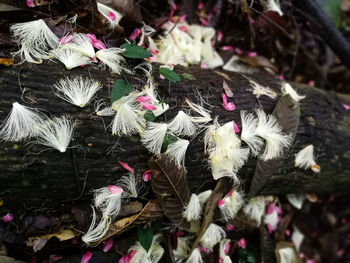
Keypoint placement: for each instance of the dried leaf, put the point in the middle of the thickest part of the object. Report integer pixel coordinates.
(169, 184)
(287, 114)
(150, 212)
(259, 61)
(292, 255)
(6, 61)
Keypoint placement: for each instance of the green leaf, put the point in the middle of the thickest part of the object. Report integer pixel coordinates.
(120, 89)
(332, 9)
(145, 237)
(248, 255)
(149, 116)
(169, 74)
(135, 51)
(188, 76)
(169, 138)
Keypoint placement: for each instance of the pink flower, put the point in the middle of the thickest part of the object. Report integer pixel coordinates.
(229, 227)
(227, 248)
(30, 3)
(65, 39)
(238, 51)
(182, 18)
(242, 243)
(111, 16)
(228, 106)
(108, 245)
(251, 54)
(135, 34)
(226, 48)
(147, 106)
(147, 175)
(221, 202)
(200, 5)
(235, 127)
(86, 257)
(7, 218)
(143, 99)
(95, 42)
(127, 257)
(113, 189)
(183, 28)
(219, 36)
(126, 167)
(204, 21)
(346, 106)
(203, 249)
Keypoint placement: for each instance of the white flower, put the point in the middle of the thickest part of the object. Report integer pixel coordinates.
(36, 39)
(81, 44)
(177, 151)
(112, 58)
(255, 209)
(132, 184)
(106, 111)
(152, 138)
(274, 5)
(195, 257)
(110, 14)
(305, 159)
(194, 208)
(224, 246)
(182, 124)
(231, 204)
(78, 91)
(288, 89)
(249, 135)
(287, 254)
(297, 200)
(259, 90)
(56, 133)
(70, 58)
(269, 129)
(108, 200)
(297, 237)
(22, 122)
(153, 255)
(213, 235)
(183, 249)
(204, 115)
(128, 119)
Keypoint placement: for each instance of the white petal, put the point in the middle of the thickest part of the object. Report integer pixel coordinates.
(70, 58)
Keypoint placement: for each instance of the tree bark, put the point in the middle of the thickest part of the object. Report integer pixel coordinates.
(37, 178)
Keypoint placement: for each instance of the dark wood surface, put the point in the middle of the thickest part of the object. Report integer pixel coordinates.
(33, 178)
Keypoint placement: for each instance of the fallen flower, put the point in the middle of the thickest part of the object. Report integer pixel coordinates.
(235, 127)
(113, 189)
(228, 106)
(86, 257)
(135, 34)
(7, 218)
(346, 106)
(229, 227)
(128, 257)
(95, 42)
(30, 3)
(147, 106)
(126, 167)
(242, 243)
(108, 245)
(143, 99)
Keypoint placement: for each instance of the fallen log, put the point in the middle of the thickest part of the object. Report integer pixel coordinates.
(31, 177)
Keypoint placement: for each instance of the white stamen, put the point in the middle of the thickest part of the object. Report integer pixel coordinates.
(22, 122)
(213, 235)
(153, 137)
(109, 203)
(288, 89)
(194, 208)
(154, 254)
(182, 125)
(204, 114)
(70, 58)
(305, 159)
(248, 135)
(182, 250)
(286, 255)
(274, 5)
(56, 133)
(297, 237)
(195, 257)
(106, 10)
(112, 58)
(96, 231)
(222, 255)
(259, 90)
(161, 108)
(297, 200)
(235, 65)
(177, 151)
(78, 91)
(269, 129)
(255, 209)
(132, 185)
(232, 204)
(36, 39)
(128, 119)
(106, 111)
(81, 44)
(272, 219)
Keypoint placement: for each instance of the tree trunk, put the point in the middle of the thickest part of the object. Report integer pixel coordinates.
(47, 178)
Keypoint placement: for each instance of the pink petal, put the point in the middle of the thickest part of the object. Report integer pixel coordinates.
(153, 52)
(127, 257)
(287, 232)
(270, 209)
(91, 37)
(113, 189)
(311, 83)
(242, 243)
(204, 65)
(228, 106)
(310, 261)
(200, 5)
(173, 9)
(219, 36)
(7, 218)
(340, 252)
(108, 245)
(230, 192)
(179, 233)
(135, 34)
(54, 258)
(111, 16)
(182, 18)
(229, 227)
(126, 167)
(147, 175)
(281, 77)
(86, 257)
(235, 127)
(183, 28)
(251, 54)
(95, 42)
(66, 39)
(204, 21)
(94, 59)
(227, 248)
(221, 202)
(161, 76)
(221, 260)
(346, 106)
(143, 99)
(147, 106)
(270, 228)
(203, 249)
(30, 3)
(226, 48)
(302, 255)
(239, 51)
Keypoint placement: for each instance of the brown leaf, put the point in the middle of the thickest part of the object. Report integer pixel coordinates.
(287, 114)
(259, 61)
(169, 184)
(150, 212)
(6, 61)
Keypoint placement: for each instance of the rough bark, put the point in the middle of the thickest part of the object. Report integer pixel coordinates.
(47, 178)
